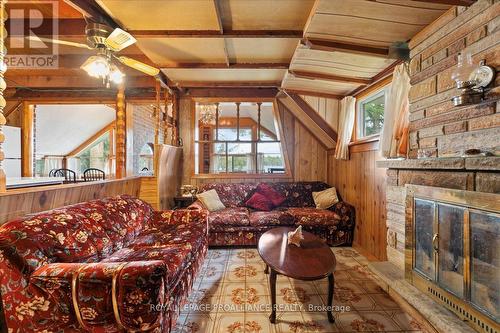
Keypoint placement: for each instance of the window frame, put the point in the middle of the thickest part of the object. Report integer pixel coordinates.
(359, 120)
(280, 137)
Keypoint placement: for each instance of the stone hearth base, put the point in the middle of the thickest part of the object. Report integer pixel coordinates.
(391, 278)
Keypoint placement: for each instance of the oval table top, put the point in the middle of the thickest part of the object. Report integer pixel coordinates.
(311, 261)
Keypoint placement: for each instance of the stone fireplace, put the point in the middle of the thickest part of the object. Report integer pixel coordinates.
(452, 251)
(443, 134)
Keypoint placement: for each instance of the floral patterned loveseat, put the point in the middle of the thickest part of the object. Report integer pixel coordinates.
(102, 266)
(239, 225)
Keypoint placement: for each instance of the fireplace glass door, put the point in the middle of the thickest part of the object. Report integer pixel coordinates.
(451, 249)
(454, 238)
(424, 234)
(485, 262)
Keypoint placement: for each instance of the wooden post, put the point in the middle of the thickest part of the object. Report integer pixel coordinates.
(238, 121)
(258, 120)
(27, 140)
(217, 123)
(175, 123)
(166, 125)
(157, 113)
(120, 132)
(3, 86)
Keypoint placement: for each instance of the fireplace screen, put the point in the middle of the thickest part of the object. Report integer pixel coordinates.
(424, 231)
(451, 250)
(485, 267)
(455, 251)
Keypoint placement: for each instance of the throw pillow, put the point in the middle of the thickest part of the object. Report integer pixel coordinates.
(266, 190)
(325, 199)
(260, 202)
(211, 201)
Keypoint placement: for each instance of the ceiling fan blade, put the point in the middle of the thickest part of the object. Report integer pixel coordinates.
(58, 41)
(140, 66)
(119, 39)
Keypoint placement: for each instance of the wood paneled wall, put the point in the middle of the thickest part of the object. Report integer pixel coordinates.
(328, 109)
(19, 202)
(306, 155)
(363, 185)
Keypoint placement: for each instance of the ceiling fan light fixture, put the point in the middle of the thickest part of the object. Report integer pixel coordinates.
(116, 76)
(97, 66)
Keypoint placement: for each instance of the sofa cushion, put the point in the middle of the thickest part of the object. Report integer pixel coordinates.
(259, 201)
(231, 194)
(312, 216)
(299, 194)
(272, 218)
(326, 198)
(266, 190)
(175, 257)
(237, 216)
(192, 234)
(210, 199)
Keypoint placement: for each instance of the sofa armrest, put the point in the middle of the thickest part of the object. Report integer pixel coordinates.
(125, 295)
(347, 214)
(179, 216)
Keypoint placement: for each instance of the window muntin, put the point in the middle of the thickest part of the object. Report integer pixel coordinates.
(232, 139)
(370, 115)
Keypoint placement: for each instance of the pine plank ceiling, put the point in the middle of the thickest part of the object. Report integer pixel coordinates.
(318, 46)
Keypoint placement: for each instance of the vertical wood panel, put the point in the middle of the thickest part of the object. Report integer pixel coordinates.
(15, 203)
(27, 140)
(363, 185)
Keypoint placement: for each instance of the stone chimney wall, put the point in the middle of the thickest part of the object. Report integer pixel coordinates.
(438, 129)
(436, 126)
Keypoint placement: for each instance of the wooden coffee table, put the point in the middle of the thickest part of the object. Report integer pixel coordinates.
(312, 261)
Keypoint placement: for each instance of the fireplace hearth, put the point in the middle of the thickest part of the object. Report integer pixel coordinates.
(452, 251)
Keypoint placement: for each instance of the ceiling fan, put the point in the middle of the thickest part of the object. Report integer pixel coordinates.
(106, 42)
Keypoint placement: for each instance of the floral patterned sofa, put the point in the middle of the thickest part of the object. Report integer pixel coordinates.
(239, 225)
(102, 266)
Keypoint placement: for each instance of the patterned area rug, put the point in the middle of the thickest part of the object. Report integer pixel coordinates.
(231, 295)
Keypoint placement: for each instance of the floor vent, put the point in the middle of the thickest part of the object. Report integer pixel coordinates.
(460, 311)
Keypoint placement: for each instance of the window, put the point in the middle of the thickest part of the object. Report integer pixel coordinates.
(237, 137)
(96, 155)
(371, 115)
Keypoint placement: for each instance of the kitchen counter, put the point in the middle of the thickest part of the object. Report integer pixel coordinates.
(20, 182)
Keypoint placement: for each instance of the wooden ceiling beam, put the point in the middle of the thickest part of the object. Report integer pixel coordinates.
(248, 92)
(219, 16)
(91, 10)
(216, 84)
(312, 93)
(331, 46)
(91, 139)
(465, 3)
(265, 65)
(328, 77)
(377, 78)
(216, 33)
(79, 81)
(69, 95)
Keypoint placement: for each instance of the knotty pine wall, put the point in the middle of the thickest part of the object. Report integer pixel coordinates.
(306, 155)
(363, 185)
(19, 202)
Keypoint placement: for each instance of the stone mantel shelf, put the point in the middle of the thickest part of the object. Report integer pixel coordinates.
(491, 163)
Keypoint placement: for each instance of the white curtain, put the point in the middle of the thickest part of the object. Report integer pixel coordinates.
(394, 136)
(346, 125)
(50, 163)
